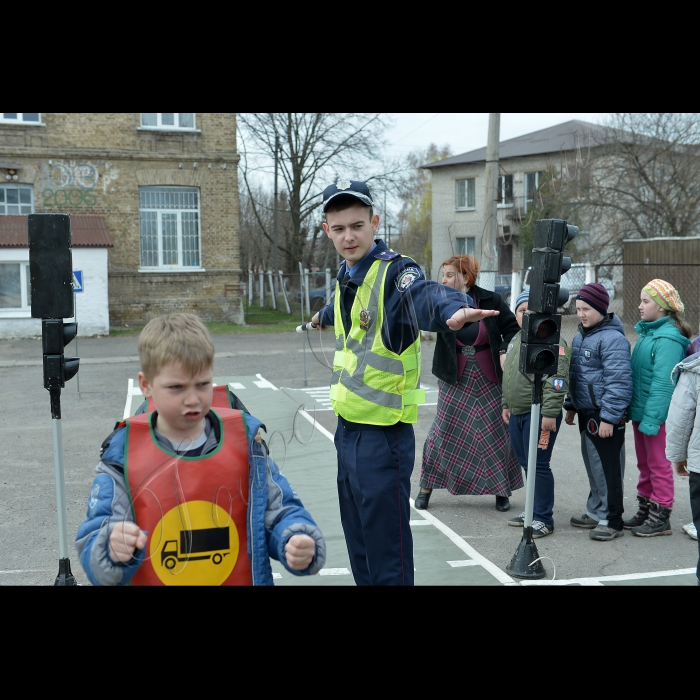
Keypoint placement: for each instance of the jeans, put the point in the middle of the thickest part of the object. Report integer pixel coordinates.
(519, 429)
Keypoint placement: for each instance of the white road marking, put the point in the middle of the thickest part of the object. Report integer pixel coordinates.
(497, 573)
(264, 384)
(25, 571)
(419, 522)
(501, 576)
(598, 580)
(130, 392)
(276, 575)
(236, 385)
(463, 562)
(334, 572)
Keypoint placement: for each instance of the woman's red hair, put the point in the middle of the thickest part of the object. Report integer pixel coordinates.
(468, 265)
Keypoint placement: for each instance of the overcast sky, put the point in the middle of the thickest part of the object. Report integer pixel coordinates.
(467, 131)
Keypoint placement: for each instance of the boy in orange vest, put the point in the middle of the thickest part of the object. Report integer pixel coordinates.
(185, 494)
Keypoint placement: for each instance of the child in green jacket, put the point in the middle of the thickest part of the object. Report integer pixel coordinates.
(663, 339)
(517, 407)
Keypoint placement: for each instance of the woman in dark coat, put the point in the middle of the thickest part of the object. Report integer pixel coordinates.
(468, 450)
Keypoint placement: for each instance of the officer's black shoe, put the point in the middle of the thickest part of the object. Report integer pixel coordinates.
(422, 500)
(502, 503)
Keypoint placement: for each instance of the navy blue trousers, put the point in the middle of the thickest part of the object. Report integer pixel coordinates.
(519, 429)
(374, 486)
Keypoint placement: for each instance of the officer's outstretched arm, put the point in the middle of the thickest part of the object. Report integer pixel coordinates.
(465, 315)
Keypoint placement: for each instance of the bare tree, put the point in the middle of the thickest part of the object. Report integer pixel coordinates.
(414, 190)
(642, 180)
(314, 149)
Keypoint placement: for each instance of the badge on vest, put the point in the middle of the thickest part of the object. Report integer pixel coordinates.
(586, 355)
(365, 319)
(407, 278)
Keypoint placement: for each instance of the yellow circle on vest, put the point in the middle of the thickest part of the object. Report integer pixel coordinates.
(194, 544)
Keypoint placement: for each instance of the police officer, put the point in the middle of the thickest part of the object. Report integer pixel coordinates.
(382, 301)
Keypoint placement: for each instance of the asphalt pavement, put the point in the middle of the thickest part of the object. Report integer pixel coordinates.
(95, 399)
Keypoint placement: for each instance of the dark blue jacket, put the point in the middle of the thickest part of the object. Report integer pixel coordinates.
(600, 371)
(411, 303)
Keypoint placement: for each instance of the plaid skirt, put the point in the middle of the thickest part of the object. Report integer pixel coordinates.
(468, 448)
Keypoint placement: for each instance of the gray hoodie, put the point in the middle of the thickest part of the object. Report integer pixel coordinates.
(683, 422)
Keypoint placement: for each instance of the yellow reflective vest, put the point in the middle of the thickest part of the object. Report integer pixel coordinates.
(372, 384)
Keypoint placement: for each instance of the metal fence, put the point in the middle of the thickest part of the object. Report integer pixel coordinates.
(623, 281)
(289, 293)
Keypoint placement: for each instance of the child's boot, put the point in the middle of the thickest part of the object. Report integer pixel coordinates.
(641, 516)
(658, 522)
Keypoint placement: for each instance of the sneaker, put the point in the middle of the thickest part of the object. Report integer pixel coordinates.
(539, 529)
(689, 529)
(518, 521)
(584, 521)
(603, 532)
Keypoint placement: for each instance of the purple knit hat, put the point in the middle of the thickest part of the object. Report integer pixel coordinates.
(595, 295)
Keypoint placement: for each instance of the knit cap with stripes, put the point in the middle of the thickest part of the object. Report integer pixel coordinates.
(595, 295)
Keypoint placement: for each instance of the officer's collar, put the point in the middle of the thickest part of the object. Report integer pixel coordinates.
(359, 271)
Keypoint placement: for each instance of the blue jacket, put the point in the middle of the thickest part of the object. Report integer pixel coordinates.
(275, 513)
(411, 303)
(600, 374)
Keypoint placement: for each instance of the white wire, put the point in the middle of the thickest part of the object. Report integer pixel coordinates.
(553, 564)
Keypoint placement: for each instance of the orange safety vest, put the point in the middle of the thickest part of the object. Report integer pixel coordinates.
(220, 400)
(194, 509)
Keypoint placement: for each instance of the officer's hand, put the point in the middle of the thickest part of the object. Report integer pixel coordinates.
(503, 361)
(549, 424)
(299, 551)
(125, 539)
(605, 430)
(505, 414)
(681, 468)
(464, 315)
(315, 322)
(570, 415)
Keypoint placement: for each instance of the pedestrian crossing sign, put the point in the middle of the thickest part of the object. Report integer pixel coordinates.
(77, 281)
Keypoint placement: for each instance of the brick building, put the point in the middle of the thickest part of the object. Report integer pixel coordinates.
(165, 187)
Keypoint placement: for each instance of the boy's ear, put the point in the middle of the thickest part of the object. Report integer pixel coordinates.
(144, 385)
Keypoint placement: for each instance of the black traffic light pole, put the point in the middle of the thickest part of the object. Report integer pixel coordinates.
(51, 278)
(539, 356)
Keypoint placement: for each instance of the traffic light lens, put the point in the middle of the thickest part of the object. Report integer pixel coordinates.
(541, 360)
(546, 328)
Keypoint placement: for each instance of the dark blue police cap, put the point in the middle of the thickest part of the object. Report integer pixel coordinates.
(352, 187)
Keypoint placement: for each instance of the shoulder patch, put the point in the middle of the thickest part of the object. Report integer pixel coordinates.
(558, 384)
(562, 350)
(387, 255)
(407, 278)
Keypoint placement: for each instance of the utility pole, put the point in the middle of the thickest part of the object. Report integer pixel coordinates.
(488, 241)
(274, 213)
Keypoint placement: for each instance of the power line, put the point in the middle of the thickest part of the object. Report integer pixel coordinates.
(416, 129)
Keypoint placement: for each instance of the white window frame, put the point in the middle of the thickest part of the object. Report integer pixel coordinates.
(526, 199)
(3, 205)
(24, 311)
(503, 204)
(19, 119)
(467, 206)
(159, 126)
(159, 227)
(465, 245)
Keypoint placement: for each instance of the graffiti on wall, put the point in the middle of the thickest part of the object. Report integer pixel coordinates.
(73, 183)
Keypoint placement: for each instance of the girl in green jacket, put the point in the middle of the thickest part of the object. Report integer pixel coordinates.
(663, 338)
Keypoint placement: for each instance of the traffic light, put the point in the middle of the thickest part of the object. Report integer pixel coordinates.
(58, 369)
(539, 352)
(549, 264)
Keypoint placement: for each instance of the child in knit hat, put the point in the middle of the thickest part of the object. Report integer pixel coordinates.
(663, 339)
(600, 390)
(517, 408)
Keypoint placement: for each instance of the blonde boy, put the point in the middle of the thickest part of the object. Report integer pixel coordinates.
(184, 494)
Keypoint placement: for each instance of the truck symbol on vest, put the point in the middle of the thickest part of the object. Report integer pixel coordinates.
(193, 544)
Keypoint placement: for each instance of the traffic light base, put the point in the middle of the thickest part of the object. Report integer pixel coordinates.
(521, 565)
